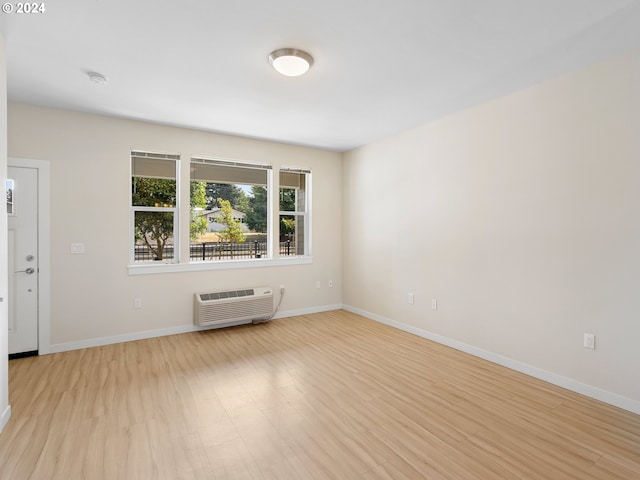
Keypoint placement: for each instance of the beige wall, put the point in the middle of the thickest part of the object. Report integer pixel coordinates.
(92, 294)
(521, 217)
(4, 328)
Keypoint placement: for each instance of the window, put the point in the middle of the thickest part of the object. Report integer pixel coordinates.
(294, 212)
(154, 207)
(229, 210)
(10, 185)
(232, 213)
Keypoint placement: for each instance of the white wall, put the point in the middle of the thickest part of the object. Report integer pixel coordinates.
(521, 216)
(92, 294)
(5, 410)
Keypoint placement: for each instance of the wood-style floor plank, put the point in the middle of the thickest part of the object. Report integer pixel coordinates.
(323, 396)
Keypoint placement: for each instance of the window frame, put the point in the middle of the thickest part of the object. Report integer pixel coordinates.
(240, 164)
(156, 156)
(306, 213)
(178, 264)
(10, 186)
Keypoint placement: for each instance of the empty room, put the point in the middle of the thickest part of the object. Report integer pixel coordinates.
(320, 240)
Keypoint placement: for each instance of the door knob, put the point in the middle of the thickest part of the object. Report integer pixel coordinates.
(28, 271)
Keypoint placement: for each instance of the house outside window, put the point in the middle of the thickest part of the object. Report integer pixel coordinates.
(230, 214)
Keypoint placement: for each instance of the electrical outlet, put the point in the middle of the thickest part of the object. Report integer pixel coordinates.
(434, 304)
(590, 341)
(137, 303)
(330, 283)
(410, 298)
(318, 284)
(77, 248)
(281, 288)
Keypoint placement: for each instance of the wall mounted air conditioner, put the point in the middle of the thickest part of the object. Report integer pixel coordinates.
(220, 307)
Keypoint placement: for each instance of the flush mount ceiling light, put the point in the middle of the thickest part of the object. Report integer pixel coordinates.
(290, 61)
(97, 77)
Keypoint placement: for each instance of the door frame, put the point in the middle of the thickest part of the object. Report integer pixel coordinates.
(44, 248)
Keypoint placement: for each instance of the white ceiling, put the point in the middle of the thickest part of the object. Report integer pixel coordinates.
(380, 66)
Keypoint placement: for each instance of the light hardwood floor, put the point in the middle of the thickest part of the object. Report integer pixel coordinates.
(324, 396)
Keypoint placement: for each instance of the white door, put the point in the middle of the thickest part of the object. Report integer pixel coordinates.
(22, 210)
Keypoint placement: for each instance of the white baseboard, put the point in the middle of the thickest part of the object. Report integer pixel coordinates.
(129, 337)
(553, 378)
(307, 311)
(126, 337)
(4, 419)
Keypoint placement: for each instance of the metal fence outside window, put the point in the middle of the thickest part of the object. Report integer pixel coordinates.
(208, 251)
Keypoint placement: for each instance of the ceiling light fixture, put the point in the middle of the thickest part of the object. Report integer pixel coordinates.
(97, 77)
(290, 61)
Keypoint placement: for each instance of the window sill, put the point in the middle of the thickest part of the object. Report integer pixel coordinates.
(149, 268)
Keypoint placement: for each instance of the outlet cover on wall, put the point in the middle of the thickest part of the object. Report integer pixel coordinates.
(77, 248)
(590, 341)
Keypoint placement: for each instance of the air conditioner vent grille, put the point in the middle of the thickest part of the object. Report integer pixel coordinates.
(228, 294)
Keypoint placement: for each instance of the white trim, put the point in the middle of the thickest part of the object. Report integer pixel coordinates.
(152, 268)
(308, 221)
(138, 208)
(306, 213)
(4, 419)
(44, 247)
(129, 337)
(550, 377)
(229, 162)
(176, 216)
(273, 245)
(307, 311)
